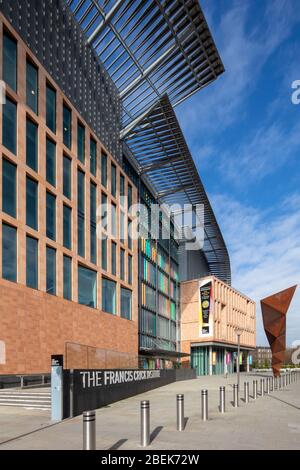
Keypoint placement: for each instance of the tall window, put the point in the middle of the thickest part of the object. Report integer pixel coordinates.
(9, 189)
(129, 234)
(67, 267)
(32, 144)
(10, 60)
(9, 125)
(122, 227)
(51, 162)
(81, 212)
(93, 222)
(50, 270)
(50, 216)
(113, 220)
(67, 126)
(81, 142)
(113, 259)
(126, 303)
(67, 227)
(67, 177)
(9, 253)
(93, 157)
(32, 86)
(108, 296)
(129, 269)
(51, 108)
(87, 287)
(104, 253)
(104, 169)
(104, 214)
(113, 180)
(31, 203)
(122, 264)
(122, 186)
(31, 262)
(129, 197)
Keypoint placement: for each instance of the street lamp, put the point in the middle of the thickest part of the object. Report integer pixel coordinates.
(238, 332)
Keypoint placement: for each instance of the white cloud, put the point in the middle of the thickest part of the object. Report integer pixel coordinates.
(265, 251)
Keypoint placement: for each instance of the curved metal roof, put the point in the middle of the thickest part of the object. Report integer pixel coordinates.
(163, 156)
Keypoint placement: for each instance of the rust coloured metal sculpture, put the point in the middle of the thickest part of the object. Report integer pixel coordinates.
(274, 309)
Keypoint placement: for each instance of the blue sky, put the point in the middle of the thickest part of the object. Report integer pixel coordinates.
(244, 134)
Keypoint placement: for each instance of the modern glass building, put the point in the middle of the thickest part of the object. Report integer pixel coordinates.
(91, 88)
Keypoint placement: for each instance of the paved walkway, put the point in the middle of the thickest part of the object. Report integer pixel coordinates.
(271, 422)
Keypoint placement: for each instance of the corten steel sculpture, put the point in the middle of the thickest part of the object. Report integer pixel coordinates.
(274, 310)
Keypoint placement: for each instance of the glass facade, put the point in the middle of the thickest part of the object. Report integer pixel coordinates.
(32, 144)
(113, 180)
(32, 86)
(104, 169)
(81, 142)
(51, 108)
(93, 157)
(50, 271)
(81, 212)
(31, 262)
(10, 60)
(67, 277)
(51, 162)
(93, 222)
(9, 253)
(104, 253)
(113, 259)
(67, 176)
(67, 227)
(31, 203)
(87, 287)
(50, 216)
(126, 303)
(9, 125)
(67, 126)
(129, 269)
(108, 296)
(122, 264)
(9, 189)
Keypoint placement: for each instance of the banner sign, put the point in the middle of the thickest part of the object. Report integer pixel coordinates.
(206, 309)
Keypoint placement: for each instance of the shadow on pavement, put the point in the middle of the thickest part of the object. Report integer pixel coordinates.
(118, 444)
(155, 433)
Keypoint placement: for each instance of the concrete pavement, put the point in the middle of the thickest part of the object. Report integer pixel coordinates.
(271, 422)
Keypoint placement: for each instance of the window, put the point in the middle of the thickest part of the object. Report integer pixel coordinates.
(126, 303)
(122, 264)
(67, 267)
(129, 197)
(67, 227)
(10, 60)
(104, 169)
(87, 287)
(108, 296)
(113, 220)
(9, 125)
(32, 144)
(31, 262)
(51, 108)
(32, 86)
(122, 227)
(50, 216)
(50, 271)
(93, 222)
(113, 180)
(104, 253)
(31, 203)
(9, 253)
(51, 162)
(129, 269)
(104, 214)
(81, 142)
(122, 186)
(113, 259)
(129, 234)
(81, 212)
(67, 126)
(93, 157)
(9, 190)
(67, 177)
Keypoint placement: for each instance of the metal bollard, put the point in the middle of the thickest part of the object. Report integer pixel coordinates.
(89, 430)
(145, 423)
(180, 412)
(279, 382)
(272, 383)
(204, 405)
(235, 395)
(262, 387)
(246, 392)
(255, 389)
(222, 399)
(268, 386)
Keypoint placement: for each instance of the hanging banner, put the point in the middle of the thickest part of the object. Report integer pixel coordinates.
(214, 358)
(206, 309)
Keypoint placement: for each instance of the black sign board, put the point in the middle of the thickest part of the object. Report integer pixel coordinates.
(57, 360)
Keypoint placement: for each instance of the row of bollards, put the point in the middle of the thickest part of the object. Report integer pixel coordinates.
(266, 386)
